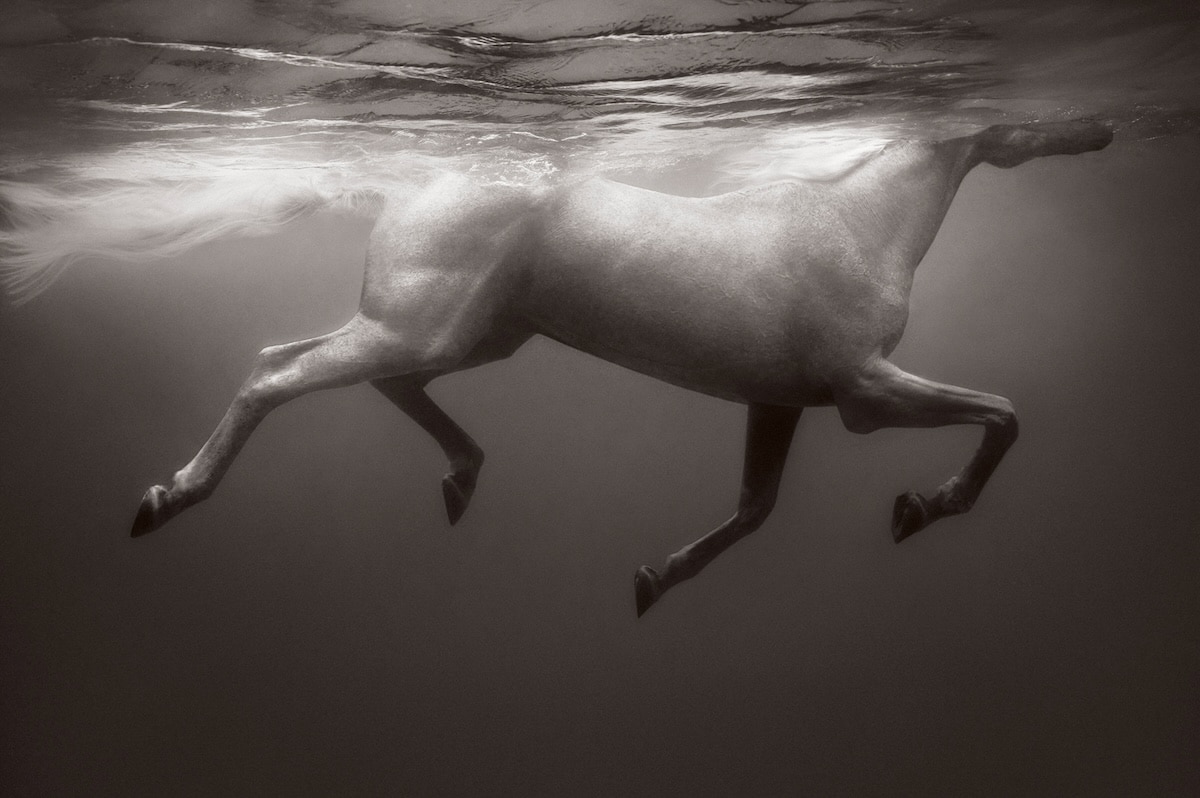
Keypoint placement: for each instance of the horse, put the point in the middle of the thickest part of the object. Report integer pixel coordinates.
(780, 297)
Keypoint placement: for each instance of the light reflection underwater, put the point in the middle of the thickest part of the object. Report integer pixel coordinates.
(116, 106)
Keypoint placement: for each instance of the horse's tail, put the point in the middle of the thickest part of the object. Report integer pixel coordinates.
(46, 227)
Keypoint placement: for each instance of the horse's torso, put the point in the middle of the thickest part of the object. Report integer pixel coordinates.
(732, 295)
(765, 295)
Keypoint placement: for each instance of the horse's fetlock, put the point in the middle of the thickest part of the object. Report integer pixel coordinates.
(473, 459)
(188, 489)
(953, 499)
(957, 504)
(680, 566)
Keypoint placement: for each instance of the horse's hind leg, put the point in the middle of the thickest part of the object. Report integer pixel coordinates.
(434, 286)
(363, 350)
(769, 432)
(359, 351)
(465, 456)
(882, 395)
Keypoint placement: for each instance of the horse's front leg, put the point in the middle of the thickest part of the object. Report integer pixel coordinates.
(769, 432)
(881, 395)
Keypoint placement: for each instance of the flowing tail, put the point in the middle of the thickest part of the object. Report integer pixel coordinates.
(47, 226)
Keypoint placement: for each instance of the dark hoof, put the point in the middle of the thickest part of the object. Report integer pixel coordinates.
(456, 492)
(153, 512)
(646, 588)
(910, 514)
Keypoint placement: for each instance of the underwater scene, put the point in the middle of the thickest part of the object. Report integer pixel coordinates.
(185, 183)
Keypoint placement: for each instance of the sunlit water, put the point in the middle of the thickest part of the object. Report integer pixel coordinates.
(143, 104)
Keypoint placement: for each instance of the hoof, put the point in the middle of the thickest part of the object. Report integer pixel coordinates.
(152, 513)
(910, 514)
(646, 588)
(456, 493)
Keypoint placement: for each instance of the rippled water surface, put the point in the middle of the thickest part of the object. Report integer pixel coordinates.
(543, 86)
(133, 105)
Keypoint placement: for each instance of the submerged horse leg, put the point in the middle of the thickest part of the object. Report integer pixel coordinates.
(465, 456)
(769, 432)
(359, 351)
(882, 395)
(433, 287)
(363, 350)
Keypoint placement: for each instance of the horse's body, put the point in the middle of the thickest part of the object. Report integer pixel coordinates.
(728, 296)
(782, 297)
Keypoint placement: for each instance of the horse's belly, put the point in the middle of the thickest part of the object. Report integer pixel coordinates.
(742, 344)
(776, 382)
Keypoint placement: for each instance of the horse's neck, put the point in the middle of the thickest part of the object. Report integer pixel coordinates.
(901, 196)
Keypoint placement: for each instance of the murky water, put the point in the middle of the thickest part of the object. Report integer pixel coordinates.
(317, 628)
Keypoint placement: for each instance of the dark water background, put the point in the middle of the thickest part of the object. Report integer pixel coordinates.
(317, 628)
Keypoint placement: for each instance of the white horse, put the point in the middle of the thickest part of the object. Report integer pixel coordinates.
(782, 297)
